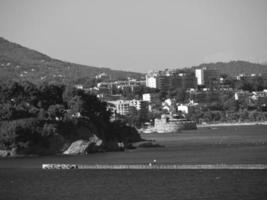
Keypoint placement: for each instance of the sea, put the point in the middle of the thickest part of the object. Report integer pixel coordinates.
(32, 184)
(23, 179)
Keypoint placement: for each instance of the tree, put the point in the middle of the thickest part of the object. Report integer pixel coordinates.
(6, 111)
(230, 105)
(89, 106)
(39, 119)
(258, 83)
(56, 112)
(50, 95)
(244, 85)
(122, 133)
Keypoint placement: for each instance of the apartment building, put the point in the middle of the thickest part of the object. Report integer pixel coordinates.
(206, 77)
(122, 107)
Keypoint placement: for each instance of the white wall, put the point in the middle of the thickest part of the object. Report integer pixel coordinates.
(151, 82)
(200, 76)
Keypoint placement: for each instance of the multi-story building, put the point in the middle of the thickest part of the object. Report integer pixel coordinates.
(135, 103)
(210, 76)
(166, 80)
(122, 107)
(139, 104)
(176, 81)
(206, 77)
(188, 80)
(147, 97)
(163, 82)
(151, 81)
(200, 76)
(182, 80)
(186, 108)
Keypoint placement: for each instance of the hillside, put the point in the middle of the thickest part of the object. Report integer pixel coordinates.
(235, 67)
(18, 62)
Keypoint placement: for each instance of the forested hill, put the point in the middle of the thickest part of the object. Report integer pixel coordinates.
(236, 67)
(18, 62)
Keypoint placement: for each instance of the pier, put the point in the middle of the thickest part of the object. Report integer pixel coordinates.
(156, 166)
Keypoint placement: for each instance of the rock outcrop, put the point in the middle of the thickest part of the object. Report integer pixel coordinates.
(94, 144)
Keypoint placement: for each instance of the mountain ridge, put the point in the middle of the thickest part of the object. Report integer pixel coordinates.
(19, 62)
(235, 68)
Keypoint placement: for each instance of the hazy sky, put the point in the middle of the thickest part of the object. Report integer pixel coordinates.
(139, 35)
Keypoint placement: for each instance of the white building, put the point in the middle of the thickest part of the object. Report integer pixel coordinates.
(135, 103)
(206, 76)
(200, 76)
(147, 97)
(187, 108)
(151, 81)
(102, 75)
(183, 108)
(121, 106)
(236, 96)
(79, 87)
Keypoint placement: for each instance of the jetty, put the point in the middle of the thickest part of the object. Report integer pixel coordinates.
(157, 166)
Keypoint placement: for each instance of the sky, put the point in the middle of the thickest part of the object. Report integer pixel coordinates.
(139, 35)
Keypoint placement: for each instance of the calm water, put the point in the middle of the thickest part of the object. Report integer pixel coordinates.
(133, 184)
(223, 145)
(22, 178)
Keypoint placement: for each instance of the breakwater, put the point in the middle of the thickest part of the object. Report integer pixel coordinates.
(155, 166)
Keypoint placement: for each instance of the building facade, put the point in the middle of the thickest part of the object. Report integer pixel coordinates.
(151, 81)
(122, 107)
(199, 76)
(206, 77)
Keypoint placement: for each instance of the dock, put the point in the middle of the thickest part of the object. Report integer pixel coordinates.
(156, 166)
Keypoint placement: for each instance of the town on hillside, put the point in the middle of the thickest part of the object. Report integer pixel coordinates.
(174, 99)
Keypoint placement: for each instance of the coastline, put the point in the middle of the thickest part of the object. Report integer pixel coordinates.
(232, 124)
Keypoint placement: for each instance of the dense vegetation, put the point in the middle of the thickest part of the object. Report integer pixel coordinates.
(235, 68)
(41, 119)
(20, 63)
(219, 106)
